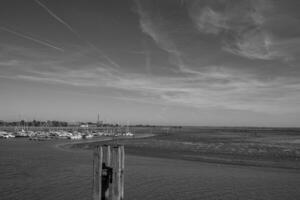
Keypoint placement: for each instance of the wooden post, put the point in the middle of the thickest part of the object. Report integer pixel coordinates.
(116, 172)
(108, 173)
(107, 156)
(97, 171)
(107, 162)
(122, 172)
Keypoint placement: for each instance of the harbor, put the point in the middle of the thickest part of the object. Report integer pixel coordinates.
(72, 133)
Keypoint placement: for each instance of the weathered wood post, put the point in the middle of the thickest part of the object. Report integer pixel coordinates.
(97, 171)
(108, 176)
(122, 171)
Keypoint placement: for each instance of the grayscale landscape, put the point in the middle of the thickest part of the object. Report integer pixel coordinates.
(149, 99)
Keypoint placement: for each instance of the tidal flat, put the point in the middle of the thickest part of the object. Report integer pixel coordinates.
(60, 169)
(270, 147)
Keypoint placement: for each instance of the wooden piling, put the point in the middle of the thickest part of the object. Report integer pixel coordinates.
(116, 173)
(97, 171)
(107, 162)
(122, 172)
(107, 159)
(108, 172)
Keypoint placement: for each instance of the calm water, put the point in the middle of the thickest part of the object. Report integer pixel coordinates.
(40, 170)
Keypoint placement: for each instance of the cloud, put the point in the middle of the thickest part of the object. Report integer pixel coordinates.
(153, 25)
(242, 26)
(9, 63)
(197, 81)
(212, 87)
(254, 44)
(28, 37)
(108, 59)
(77, 68)
(207, 20)
(239, 28)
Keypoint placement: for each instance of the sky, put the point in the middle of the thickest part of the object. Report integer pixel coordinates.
(171, 62)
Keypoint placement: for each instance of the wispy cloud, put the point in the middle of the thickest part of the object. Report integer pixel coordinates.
(254, 44)
(154, 27)
(28, 37)
(242, 31)
(57, 18)
(242, 26)
(195, 80)
(207, 20)
(214, 87)
(78, 35)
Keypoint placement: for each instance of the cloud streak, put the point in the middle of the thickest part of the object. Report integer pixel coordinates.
(38, 41)
(204, 55)
(57, 18)
(254, 44)
(154, 27)
(242, 26)
(207, 20)
(214, 88)
(238, 28)
(77, 34)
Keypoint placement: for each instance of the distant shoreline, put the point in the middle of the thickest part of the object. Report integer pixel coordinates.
(176, 154)
(82, 144)
(278, 148)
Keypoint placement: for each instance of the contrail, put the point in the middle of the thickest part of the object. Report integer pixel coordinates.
(76, 33)
(57, 18)
(31, 38)
(112, 62)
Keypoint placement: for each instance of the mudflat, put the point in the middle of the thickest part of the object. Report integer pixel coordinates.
(269, 147)
(43, 170)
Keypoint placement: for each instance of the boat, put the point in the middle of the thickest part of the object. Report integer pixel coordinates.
(6, 135)
(129, 134)
(75, 137)
(88, 136)
(21, 133)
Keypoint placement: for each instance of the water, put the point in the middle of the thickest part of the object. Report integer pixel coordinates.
(40, 170)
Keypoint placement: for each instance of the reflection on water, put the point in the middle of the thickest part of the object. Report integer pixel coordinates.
(39, 170)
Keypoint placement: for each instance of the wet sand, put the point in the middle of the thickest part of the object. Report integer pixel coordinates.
(250, 147)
